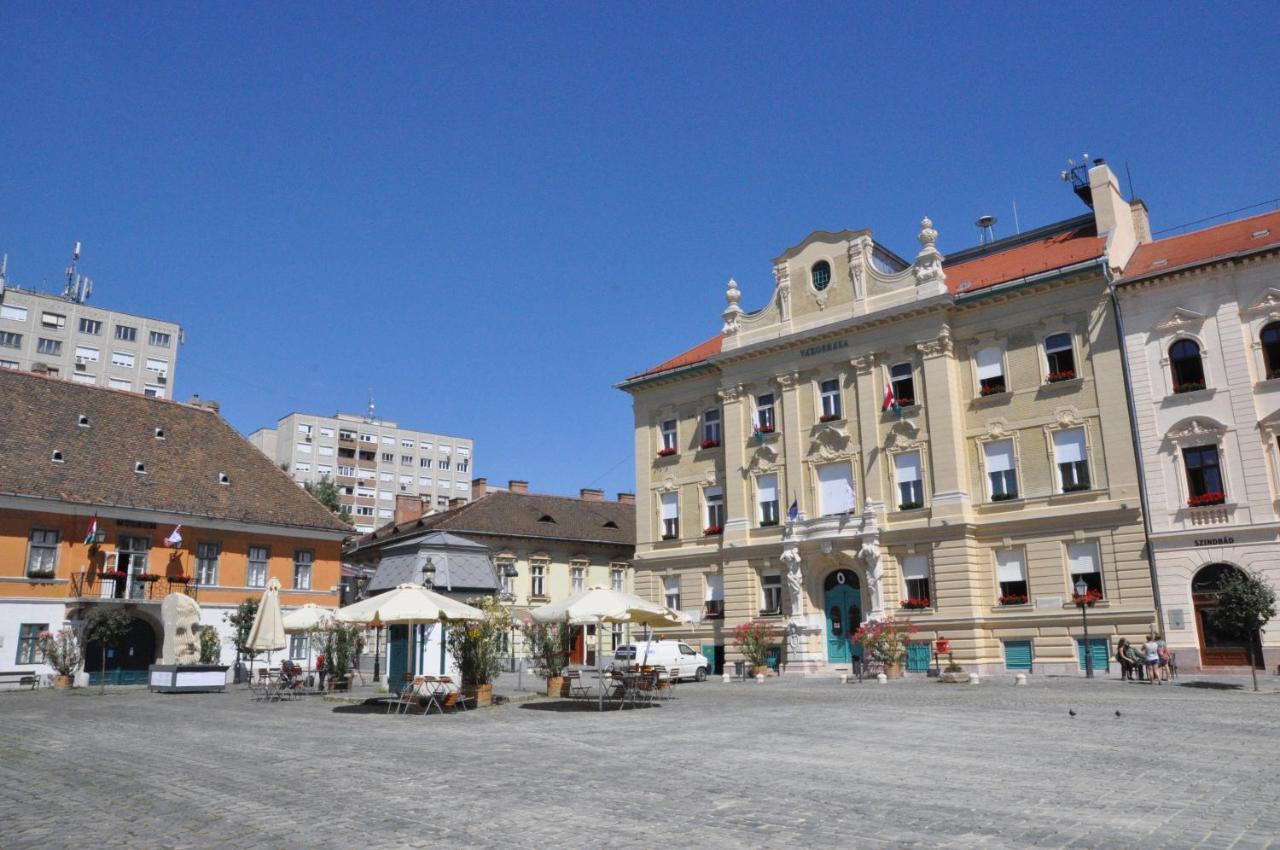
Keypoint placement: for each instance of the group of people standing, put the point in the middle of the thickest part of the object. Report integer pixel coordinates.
(1145, 662)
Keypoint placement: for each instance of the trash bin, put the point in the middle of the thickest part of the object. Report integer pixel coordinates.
(739, 668)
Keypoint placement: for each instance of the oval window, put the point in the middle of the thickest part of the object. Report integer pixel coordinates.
(821, 273)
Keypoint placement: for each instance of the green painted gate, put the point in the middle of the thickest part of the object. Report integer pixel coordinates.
(1017, 654)
(1101, 649)
(918, 657)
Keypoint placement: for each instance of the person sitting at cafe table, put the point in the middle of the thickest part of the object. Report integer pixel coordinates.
(1126, 664)
(1135, 658)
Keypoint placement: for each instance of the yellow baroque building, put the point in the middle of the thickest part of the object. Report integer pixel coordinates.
(952, 432)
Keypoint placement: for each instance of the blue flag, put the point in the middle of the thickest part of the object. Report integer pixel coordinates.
(794, 510)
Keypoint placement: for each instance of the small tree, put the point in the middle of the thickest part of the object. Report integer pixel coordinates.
(325, 491)
(107, 626)
(548, 645)
(61, 650)
(1246, 603)
(339, 643)
(885, 640)
(210, 646)
(477, 646)
(242, 622)
(753, 639)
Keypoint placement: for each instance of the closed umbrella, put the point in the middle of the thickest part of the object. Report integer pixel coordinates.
(267, 633)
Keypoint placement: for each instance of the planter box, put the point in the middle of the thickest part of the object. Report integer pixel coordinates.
(175, 678)
(959, 677)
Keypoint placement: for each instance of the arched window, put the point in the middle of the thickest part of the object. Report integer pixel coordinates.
(821, 273)
(1186, 365)
(1270, 338)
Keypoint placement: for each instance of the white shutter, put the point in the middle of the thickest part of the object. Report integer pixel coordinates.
(767, 485)
(87, 353)
(835, 483)
(715, 587)
(1009, 566)
(713, 493)
(670, 505)
(1068, 446)
(989, 363)
(999, 456)
(671, 584)
(915, 566)
(1082, 558)
(906, 467)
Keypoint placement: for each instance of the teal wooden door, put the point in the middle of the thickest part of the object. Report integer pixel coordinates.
(714, 653)
(1101, 650)
(842, 606)
(1017, 654)
(918, 657)
(397, 656)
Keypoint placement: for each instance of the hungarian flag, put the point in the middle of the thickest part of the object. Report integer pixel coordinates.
(175, 537)
(890, 401)
(92, 535)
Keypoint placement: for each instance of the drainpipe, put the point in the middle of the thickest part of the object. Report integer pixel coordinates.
(1143, 498)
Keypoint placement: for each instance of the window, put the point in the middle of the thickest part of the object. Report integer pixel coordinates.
(1204, 476)
(87, 353)
(1073, 465)
(424, 480)
(507, 575)
(53, 320)
(153, 391)
(771, 593)
(365, 492)
(668, 437)
(78, 377)
(715, 596)
(344, 434)
(537, 578)
(326, 432)
(126, 333)
(10, 340)
(835, 488)
(915, 575)
(711, 428)
(830, 391)
(347, 471)
(461, 485)
(577, 578)
(368, 438)
(323, 470)
(363, 510)
(9, 311)
(1082, 564)
(615, 636)
(8, 364)
(388, 440)
(1011, 574)
(406, 444)
(207, 563)
(122, 358)
(444, 463)
(1060, 359)
(327, 451)
(298, 645)
(386, 476)
(765, 420)
(671, 592)
(155, 364)
(767, 497)
(90, 326)
(386, 495)
(28, 639)
(388, 457)
(406, 460)
(385, 513)
(49, 346)
(906, 474)
(302, 560)
(1001, 475)
(159, 340)
(303, 448)
(821, 274)
(425, 462)
(715, 509)
(990, 363)
(463, 464)
(120, 383)
(1186, 366)
(42, 553)
(904, 385)
(670, 503)
(426, 447)
(618, 576)
(1270, 339)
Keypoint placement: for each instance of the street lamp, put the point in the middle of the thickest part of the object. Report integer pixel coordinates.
(429, 573)
(1083, 600)
(376, 625)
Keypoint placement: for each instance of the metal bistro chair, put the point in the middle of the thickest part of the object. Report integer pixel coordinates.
(401, 699)
(433, 688)
(448, 688)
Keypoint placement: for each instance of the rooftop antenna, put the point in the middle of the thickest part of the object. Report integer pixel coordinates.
(4, 268)
(986, 229)
(370, 417)
(1078, 177)
(78, 287)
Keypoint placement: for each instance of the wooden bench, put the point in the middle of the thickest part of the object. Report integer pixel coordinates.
(19, 678)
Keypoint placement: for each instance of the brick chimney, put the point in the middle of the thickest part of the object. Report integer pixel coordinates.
(586, 494)
(518, 486)
(457, 502)
(408, 507)
(627, 498)
(479, 488)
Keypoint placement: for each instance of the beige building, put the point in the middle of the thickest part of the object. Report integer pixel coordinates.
(953, 433)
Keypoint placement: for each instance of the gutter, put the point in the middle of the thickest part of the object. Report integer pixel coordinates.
(1039, 277)
(1194, 264)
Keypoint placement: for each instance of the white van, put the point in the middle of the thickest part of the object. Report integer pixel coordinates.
(681, 660)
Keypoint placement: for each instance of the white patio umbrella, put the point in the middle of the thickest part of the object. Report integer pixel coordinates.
(309, 618)
(267, 633)
(599, 605)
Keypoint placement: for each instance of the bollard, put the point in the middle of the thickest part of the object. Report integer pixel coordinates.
(844, 678)
(726, 678)
(882, 678)
(759, 678)
(1020, 679)
(973, 679)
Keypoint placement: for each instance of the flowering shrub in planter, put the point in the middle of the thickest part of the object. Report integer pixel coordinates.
(829, 417)
(61, 650)
(1088, 598)
(666, 452)
(911, 603)
(885, 640)
(116, 574)
(709, 444)
(1215, 497)
(713, 529)
(994, 389)
(1188, 387)
(753, 639)
(1064, 375)
(1013, 599)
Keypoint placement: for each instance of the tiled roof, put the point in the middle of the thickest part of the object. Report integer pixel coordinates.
(1202, 246)
(526, 515)
(697, 354)
(40, 415)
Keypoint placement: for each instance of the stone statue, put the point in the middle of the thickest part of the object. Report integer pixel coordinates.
(181, 617)
(795, 581)
(870, 555)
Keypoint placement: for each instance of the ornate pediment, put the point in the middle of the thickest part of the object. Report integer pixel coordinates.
(1181, 319)
(997, 429)
(1196, 428)
(1268, 303)
(668, 485)
(1067, 417)
(903, 435)
(764, 457)
(829, 443)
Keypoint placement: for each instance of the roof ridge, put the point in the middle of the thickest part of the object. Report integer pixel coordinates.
(79, 387)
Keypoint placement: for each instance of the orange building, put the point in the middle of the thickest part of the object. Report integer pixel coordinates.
(95, 482)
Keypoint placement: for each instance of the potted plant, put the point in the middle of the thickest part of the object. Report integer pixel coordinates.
(210, 646)
(1013, 599)
(754, 639)
(477, 649)
(666, 452)
(709, 444)
(912, 603)
(548, 646)
(1216, 497)
(338, 644)
(61, 651)
(886, 642)
(712, 530)
(1062, 375)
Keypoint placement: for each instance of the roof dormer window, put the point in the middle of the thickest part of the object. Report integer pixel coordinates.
(546, 518)
(83, 421)
(140, 468)
(56, 457)
(159, 433)
(223, 478)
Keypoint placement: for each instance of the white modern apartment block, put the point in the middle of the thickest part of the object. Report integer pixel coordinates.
(371, 461)
(60, 336)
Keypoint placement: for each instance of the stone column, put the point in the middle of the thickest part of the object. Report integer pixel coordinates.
(790, 482)
(734, 445)
(867, 396)
(948, 456)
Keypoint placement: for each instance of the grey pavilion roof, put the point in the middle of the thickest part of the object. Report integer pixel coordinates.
(461, 565)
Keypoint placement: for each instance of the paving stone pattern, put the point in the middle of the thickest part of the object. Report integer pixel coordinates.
(799, 763)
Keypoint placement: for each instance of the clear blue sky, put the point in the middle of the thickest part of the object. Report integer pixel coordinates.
(512, 207)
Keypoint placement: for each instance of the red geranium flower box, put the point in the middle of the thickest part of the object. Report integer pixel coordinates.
(1216, 497)
(1064, 375)
(913, 604)
(666, 452)
(709, 444)
(712, 530)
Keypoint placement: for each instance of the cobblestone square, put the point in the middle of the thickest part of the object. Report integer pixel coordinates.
(790, 763)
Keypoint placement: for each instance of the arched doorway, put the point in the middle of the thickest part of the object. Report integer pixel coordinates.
(842, 606)
(127, 660)
(1216, 648)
